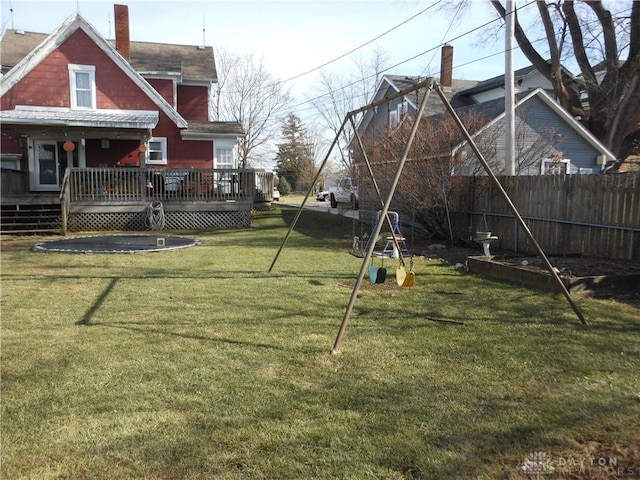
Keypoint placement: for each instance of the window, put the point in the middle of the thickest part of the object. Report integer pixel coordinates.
(396, 116)
(393, 118)
(157, 151)
(555, 166)
(82, 82)
(224, 158)
(10, 161)
(226, 182)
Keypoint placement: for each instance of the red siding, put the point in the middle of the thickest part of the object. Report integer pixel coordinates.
(192, 102)
(164, 88)
(184, 153)
(191, 154)
(48, 85)
(124, 153)
(12, 142)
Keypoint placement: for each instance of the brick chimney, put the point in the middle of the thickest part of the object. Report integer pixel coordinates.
(446, 67)
(123, 45)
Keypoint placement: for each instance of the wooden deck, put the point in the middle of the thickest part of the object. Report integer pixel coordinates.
(122, 198)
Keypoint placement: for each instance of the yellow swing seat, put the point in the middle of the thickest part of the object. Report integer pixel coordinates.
(404, 278)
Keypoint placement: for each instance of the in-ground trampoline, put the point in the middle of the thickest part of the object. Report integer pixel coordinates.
(117, 244)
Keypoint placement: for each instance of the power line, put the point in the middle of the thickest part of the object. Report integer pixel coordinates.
(361, 46)
(308, 103)
(353, 50)
(453, 19)
(403, 61)
(344, 87)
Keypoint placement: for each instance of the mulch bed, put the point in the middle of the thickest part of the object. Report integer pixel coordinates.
(574, 266)
(568, 265)
(571, 266)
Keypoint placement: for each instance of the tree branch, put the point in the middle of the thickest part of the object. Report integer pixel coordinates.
(523, 42)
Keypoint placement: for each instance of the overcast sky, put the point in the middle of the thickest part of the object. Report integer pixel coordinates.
(294, 36)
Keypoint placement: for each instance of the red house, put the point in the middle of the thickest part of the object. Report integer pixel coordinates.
(109, 128)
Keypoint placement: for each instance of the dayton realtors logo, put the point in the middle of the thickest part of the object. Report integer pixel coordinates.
(537, 465)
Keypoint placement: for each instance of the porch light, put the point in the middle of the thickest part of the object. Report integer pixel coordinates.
(68, 146)
(142, 148)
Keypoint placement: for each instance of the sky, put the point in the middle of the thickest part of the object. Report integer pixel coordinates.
(296, 36)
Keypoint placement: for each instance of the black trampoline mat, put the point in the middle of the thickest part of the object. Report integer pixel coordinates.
(117, 244)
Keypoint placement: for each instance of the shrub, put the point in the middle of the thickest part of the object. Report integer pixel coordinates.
(284, 186)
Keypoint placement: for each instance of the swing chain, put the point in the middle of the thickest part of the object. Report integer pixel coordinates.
(484, 220)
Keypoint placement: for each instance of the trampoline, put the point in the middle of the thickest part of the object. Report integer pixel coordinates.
(117, 244)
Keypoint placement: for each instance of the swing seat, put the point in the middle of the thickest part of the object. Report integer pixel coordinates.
(404, 278)
(373, 273)
(377, 275)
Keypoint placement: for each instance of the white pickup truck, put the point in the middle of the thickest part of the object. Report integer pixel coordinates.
(344, 192)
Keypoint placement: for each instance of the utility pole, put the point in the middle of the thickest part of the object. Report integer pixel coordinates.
(509, 97)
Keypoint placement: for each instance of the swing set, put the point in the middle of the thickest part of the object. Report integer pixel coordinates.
(392, 219)
(430, 84)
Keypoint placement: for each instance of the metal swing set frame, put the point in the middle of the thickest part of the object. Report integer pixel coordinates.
(429, 84)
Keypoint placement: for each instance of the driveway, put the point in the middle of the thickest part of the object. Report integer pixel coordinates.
(312, 204)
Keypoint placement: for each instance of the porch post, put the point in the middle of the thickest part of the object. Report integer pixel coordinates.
(143, 165)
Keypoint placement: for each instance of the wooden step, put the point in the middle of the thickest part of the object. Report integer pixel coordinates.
(33, 231)
(22, 219)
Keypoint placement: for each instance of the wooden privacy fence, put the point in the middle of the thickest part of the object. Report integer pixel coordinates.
(592, 215)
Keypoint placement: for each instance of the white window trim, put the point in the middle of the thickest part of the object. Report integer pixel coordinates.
(11, 161)
(91, 70)
(225, 149)
(548, 162)
(396, 116)
(163, 146)
(225, 145)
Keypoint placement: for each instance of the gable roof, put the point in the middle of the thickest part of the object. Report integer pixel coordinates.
(190, 61)
(499, 80)
(53, 41)
(403, 82)
(493, 111)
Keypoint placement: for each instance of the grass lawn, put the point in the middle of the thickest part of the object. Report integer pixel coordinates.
(199, 364)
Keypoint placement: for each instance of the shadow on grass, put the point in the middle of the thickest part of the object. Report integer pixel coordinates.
(86, 318)
(417, 429)
(318, 226)
(131, 327)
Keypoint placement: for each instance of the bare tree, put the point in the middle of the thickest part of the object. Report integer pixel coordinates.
(337, 94)
(436, 178)
(429, 186)
(607, 52)
(247, 93)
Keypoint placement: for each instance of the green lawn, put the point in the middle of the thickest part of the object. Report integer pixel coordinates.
(199, 364)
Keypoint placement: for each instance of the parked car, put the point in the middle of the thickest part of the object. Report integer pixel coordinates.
(344, 192)
(276, 195)
(322, 195)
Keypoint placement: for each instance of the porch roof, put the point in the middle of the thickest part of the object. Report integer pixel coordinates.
(131, 119)
(212, 130)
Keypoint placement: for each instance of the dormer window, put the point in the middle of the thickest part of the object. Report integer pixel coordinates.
(396, 115)
(82, 83)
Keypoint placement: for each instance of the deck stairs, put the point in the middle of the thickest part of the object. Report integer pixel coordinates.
(24, 216)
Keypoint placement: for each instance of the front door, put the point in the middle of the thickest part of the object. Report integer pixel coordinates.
(49, 164)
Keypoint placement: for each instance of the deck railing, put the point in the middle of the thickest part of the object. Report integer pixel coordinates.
(123, 185)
